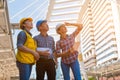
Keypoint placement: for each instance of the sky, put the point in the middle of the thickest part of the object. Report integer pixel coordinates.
(27, 8)
(18, 9)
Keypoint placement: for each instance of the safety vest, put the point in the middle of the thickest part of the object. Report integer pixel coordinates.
(25, 57)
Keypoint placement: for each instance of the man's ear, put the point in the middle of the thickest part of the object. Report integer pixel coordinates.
(38, 28)
(23, 26)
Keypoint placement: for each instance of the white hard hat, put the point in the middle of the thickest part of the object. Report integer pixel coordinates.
(59, 25)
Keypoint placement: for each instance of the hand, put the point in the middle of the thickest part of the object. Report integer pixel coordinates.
(36, 55)
(68, 24)
(73, 24)
(56, 64)
(76, 46)
(46, 53)
(55, 60)
(55, 55)
(71, 50)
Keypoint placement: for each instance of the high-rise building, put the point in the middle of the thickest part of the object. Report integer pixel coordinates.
(100, 35)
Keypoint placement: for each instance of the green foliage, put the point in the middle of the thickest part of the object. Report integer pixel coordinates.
(91, 78)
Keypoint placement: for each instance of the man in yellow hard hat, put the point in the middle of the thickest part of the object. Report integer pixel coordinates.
(26, 49)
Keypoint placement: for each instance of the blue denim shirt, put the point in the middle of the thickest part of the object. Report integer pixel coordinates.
(45, 42)
(21, 38)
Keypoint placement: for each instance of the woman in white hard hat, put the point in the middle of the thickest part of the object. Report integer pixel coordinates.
(65, 50)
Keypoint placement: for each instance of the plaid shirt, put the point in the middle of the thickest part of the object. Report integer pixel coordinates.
(64, 45)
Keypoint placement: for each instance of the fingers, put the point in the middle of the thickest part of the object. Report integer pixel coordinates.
(67, 24)
(72, 24)
(56, 64)
(37, 56)
(71, 50)
(55, 55)
(46, 53)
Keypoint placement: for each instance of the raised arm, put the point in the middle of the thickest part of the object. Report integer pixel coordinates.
(79, 27)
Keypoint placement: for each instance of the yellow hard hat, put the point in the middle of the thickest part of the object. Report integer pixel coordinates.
(23, 20)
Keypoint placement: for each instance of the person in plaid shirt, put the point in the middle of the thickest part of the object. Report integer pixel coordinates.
(65, 50)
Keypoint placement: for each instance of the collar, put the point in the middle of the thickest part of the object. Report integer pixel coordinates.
(28, 32)
(63, 38)
(43, 36)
